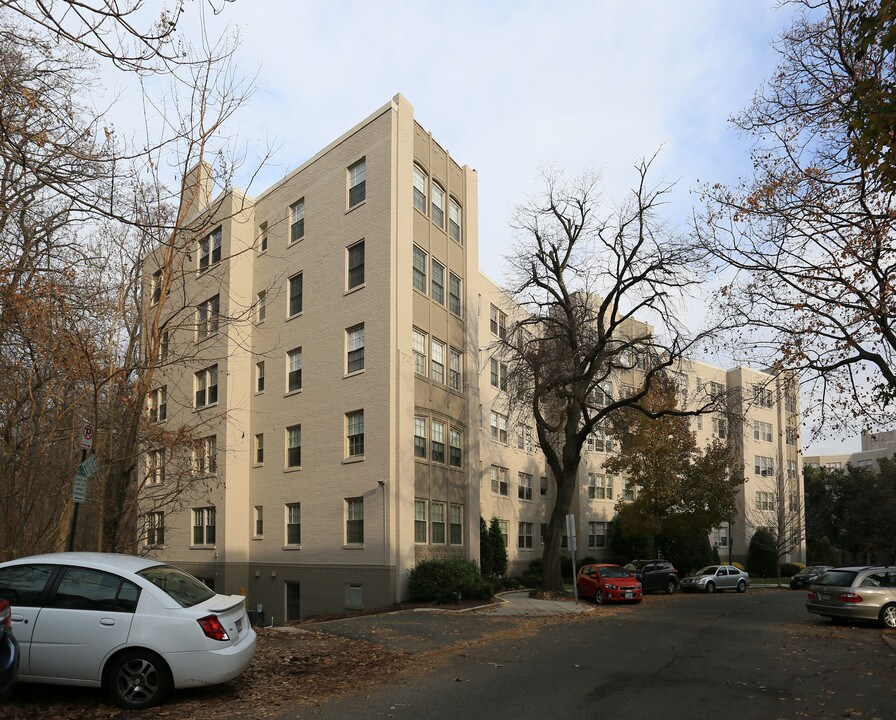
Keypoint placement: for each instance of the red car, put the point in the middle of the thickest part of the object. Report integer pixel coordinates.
(608, 583)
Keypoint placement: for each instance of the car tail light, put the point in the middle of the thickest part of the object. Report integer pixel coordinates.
(213, 628)
(811, 596)
(850, 598)
(5, 615)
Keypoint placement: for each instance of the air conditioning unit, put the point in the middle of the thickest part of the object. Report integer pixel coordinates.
(766, 473)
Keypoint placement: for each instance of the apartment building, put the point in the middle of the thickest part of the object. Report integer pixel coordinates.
(327, 412)
(761, 420)
(874, 446)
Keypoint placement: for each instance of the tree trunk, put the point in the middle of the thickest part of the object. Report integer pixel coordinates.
(552, 579)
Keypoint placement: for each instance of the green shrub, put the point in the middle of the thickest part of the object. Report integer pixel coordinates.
(445, 581)
(823, 552)
(486, 554)
(499, 551)
(533, 576)
(762, 556)
(738, 565)
(716, 560)
(791, 569)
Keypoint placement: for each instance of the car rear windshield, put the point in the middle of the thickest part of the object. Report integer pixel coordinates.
(613, 573)
(839, 578)
(183, 588)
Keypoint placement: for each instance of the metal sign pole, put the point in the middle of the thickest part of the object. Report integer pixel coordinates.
(571, 541)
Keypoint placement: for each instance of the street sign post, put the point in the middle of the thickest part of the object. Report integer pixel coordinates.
(87, 437)
(85, 470)
(571, 541)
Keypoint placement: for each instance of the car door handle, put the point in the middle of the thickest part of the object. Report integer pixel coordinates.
(107, 621)
(18, 618)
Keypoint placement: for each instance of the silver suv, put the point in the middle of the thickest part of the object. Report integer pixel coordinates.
(855, 593)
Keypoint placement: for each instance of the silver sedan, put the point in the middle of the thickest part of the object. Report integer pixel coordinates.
(713, 578)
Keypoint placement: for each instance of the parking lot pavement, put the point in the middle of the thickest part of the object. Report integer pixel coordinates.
(422, 630)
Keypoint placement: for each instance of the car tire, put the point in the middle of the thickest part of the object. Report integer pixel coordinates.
(599, 598)
(138, 679)
(888, 616)
(671, 587)
(741, 586)
(710, 587)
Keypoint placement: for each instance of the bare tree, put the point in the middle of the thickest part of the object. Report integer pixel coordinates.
(586, 287)
(807, 243)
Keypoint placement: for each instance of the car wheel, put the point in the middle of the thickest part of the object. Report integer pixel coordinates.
(742, 586)
(671, 587)
(888, 616)
(599, 597)
(138, 679)
(710, 587)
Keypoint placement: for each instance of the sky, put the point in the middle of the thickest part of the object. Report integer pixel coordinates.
(509, 88)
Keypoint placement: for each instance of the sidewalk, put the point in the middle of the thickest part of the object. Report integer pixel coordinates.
(518, 602)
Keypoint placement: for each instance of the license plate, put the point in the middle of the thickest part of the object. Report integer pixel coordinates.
(823, 596)
(629, 594)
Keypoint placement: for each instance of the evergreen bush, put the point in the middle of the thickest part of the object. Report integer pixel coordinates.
(447, 581)
(762, 556)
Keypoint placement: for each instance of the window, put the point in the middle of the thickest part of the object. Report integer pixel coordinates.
(597, 534)
(260, 306)
(790, 400)
(791, 468)
(356, 265)
(155, 528)
(419, 189)
(206, 387)
(156, 287)
(498, 322)
(163, 345)
(791, 436)
(765, 501)
(454, 220)
(354, 343)
(762, 431)
(455, 448)
(210, 249)
(294, 524)
(525, 486)
(259, 521)
(455, 528)
(502, 524)
(793, 504)
(357, 183)
(543, 486)
(437, 512)
(454, 303)
(93, 590)
(438, 282)
(499, 480)
(354, 520)
(455, 373)
(158, 404)
(438, 361)
(438, 205)
(437, 450)
(297, 221)
(499, 428)
(524, 538)
(155, 467)
(295, 295)
(599, 440)
(719, 428)
(762, 396)
(720, 537)
(763, 466)
(259, 376)
(294, 370)
(204, 526)
(293, 601)
(419, 342)
(419, 521)
(420, 437)
(419, 269)
(263, 237)
(259, 449)
(294, 446)
(600, 487)
(498, 375)
(208, 315)
(354, 424)
(205, 456)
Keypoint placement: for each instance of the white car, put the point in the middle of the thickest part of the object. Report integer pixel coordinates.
(136, 626)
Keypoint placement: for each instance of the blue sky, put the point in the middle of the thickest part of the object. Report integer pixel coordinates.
(509, 87)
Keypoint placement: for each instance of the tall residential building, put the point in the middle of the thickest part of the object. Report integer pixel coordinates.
(875, 445)
(328, 410)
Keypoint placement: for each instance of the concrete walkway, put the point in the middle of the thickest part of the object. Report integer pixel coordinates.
(518, 602)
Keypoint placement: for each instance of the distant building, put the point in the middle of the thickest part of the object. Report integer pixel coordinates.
(874, 446)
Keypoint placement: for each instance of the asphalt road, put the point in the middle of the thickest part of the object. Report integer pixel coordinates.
(753, 656)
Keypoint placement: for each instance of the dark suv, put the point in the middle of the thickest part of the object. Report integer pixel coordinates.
(655, 575)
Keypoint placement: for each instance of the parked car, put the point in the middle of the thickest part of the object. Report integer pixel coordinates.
(608, 583)
(9, 652)
(855, 593)
(133, 625)
(714, 578)
(805, 577)
(654, 575)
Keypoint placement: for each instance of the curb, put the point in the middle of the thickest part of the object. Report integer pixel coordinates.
(891, 641)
